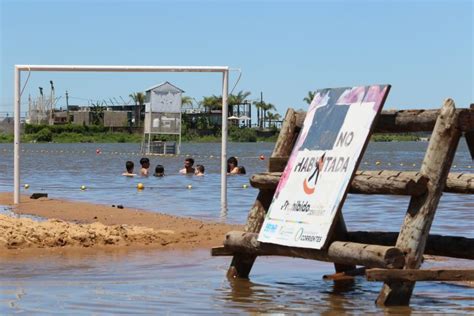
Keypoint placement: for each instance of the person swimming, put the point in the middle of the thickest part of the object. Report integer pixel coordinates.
(188, 166)
(199, 170)
(159, 171)
(233, 166)
(145, 163)
(129, 165)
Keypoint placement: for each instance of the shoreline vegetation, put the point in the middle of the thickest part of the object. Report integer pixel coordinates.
(70, 133)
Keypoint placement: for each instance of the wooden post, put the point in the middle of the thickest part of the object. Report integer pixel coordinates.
(421, 210)
(242, 263)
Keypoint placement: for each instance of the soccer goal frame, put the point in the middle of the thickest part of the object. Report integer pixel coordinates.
(102, 68)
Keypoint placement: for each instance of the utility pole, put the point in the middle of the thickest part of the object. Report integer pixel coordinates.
(67, 107)
(51, 119)
(261, 109)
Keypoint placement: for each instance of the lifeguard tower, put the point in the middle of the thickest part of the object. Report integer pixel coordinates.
(162, 117)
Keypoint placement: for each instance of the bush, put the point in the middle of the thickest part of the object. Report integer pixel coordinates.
(44, 135)
(237, 134)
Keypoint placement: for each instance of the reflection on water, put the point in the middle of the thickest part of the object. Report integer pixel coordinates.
(148, 282)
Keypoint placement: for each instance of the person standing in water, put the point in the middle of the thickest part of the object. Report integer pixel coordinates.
(129, 165)
(188, 166)
(145, 162)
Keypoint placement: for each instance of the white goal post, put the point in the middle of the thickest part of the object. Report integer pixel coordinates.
(102, 68)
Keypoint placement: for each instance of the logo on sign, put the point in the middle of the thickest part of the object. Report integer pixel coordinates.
(302, 235)
(315, 167)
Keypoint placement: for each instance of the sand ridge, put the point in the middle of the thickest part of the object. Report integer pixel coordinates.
(86, 225)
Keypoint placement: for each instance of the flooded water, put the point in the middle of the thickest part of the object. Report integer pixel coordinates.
(147, 282)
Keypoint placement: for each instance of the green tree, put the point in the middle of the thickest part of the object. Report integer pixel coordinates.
(97, 113)
(309, 98)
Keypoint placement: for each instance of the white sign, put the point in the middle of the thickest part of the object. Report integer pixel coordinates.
(322, 163)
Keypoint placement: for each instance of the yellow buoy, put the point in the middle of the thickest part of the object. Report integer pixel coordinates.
(83, 187)
(377, 163)
(27, 186)
(189, 186)
(140, 186)
(245, 186)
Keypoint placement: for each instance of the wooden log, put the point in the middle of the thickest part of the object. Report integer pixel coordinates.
(405, 121)
(411, 275)
(242, 263)
(388, 182)
(341, 252)
(421, 210)
(383, 182)
(340, 234)
(436, 245)
(277, 164)
(460, 183)
(470, 142)
(419, 121)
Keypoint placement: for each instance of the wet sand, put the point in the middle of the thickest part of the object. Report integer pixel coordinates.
(78, 225)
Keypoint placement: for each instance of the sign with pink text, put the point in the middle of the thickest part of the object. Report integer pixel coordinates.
(324, 159)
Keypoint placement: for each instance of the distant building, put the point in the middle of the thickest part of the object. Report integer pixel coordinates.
(162, 117)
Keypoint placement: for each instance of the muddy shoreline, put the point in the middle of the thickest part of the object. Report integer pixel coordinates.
(78, 225)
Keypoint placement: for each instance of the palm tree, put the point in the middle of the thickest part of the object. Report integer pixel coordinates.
(185, 101)
(266, 107)
(272, 117)
(139, 99)
(236, 99)
(97, 113)
(258, 105)
(309, 98)
(212, 103)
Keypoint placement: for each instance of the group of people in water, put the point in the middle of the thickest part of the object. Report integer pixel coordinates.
(189, 168)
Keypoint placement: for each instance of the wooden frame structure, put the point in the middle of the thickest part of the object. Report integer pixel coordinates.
(398, 256)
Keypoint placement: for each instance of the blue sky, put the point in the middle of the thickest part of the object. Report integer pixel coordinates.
(284, 48)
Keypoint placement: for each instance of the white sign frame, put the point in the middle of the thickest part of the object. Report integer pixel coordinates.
(326, 155)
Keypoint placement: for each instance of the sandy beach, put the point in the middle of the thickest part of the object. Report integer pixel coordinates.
(78, 225)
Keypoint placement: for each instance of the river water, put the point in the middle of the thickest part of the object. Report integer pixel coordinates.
(146, 282)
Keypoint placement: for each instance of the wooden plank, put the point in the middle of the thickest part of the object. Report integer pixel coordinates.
(421, 210)
(346, 253)
(436, 245)
(383, 182)
(221, 251)
(411, 275)
(345, 275)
